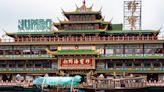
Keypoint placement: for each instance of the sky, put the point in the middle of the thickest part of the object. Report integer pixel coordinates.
(13, 10)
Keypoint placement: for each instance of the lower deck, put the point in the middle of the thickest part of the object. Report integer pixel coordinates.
(152, 69)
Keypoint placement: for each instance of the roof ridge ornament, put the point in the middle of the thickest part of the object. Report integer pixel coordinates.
(83, 8)
(62, 9)
(111, 20)
(100, 9)
(84, 2)
(76, 7)
(91, 6)
(159, 30)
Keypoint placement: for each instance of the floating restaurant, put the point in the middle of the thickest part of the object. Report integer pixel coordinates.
(82, 43)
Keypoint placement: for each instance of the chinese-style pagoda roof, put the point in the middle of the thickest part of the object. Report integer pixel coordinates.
(52, 33)
(131, 31)
(81, 22)
(110, 31)
(82, 10)
(72, 52)
(12, 34)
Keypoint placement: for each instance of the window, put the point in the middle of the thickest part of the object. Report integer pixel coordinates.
(138, 51)
(148, 52)
(136, 65)
(29, 65)
(119, 52)
(110, 65)
(128, 52)
(38, 65)
(20, 65)
(128, 64)
(158, 51)
(153, 49)
(156, 65)
(3, 66)
(1, 52)
(46, 65)
(114, 50)
(109, 52)
(12, 65)
(147, 65)
(100, 65)
(118, 64)
(100, 49)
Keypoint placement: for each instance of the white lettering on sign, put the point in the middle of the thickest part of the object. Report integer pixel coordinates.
(35, 24)
(75, 63)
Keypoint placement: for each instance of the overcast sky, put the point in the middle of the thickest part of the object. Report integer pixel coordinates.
(13, 10)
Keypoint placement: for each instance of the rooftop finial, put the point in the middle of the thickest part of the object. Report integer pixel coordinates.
(84, 2)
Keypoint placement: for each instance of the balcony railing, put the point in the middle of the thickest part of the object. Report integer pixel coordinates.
(142, 55)
(28, 70)
(25, 56)
(133, 70)
(85, 39)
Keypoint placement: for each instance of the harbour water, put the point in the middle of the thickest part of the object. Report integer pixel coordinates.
(150, 89)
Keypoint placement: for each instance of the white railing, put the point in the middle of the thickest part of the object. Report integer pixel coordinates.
(25, 83)
(85, 39)
(155, 84)
(25, 56)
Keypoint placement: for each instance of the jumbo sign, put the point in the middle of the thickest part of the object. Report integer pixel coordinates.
(74, 63)
(35, 24)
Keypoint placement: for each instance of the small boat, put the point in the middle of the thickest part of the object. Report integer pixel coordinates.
(126, 83)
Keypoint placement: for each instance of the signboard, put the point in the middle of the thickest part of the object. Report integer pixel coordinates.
(35, 24)
(75, 63)
(132, 14)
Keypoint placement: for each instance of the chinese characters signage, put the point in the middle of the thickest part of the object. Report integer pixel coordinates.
(75, 63)
(35, 24)
(132, 14)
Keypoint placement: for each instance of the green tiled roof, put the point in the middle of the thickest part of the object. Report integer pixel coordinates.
(131, 31)
(27, 33)
(72, 52)
(81, 31)
(77, 42)
(108, 31)
(78, 31)
(116, 26)
(86, 21)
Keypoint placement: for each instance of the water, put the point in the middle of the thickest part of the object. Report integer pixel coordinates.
(151, 89)
(155, 89)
